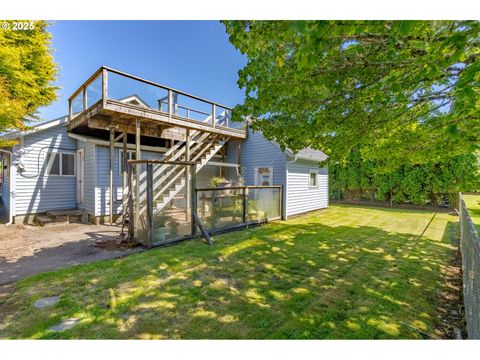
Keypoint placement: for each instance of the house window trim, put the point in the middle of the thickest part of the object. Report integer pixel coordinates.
(310, 172)
(48, 166)
(256, 175)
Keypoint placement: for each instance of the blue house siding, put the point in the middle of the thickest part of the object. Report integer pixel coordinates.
(89, 181)
(300, 196)
(6, 182)
(35, 191)
(256, 151)
(259, 152)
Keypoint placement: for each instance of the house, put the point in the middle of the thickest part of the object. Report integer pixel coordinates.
(77, 162)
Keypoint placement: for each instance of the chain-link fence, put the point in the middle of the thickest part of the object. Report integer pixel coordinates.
(470, 248)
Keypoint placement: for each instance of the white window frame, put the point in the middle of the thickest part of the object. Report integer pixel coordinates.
(310, 172)
(48, 166)
(120, 153)
(256, 177)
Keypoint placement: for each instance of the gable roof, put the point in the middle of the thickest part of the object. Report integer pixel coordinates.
(308, 154)
(135, 100)
(35, 128)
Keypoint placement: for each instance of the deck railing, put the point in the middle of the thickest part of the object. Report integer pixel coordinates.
(108, 85)
(238, 206)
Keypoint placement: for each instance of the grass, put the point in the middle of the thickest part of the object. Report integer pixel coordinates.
(343, 272)
(473, 205)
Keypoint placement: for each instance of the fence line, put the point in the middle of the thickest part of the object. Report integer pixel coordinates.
(470, 249)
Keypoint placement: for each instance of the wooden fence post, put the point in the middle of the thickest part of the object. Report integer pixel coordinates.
(193, 197)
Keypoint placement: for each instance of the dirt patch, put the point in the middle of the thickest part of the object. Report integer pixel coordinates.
(451, 320)
(26, 250)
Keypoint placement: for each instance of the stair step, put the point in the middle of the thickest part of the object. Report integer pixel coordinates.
(47, 221)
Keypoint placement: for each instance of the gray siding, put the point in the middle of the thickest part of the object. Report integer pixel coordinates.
(34, 190)
(6, 182)
(89, 177)
(259, 152)
(300, 197)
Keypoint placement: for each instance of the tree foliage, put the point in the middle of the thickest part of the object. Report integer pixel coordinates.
(27, 71)
(428, 183)
(405, 92)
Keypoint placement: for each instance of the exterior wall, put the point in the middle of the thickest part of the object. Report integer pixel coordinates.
(259, 152)
(300, 197)
(6, 182)
(89, 181)
(34, 190)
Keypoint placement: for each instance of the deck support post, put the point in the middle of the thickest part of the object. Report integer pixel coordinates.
(131, 225)
(149, 205)
(193, 198)
(124, 163)
(187, 171)
(138, 156)
(110, 193)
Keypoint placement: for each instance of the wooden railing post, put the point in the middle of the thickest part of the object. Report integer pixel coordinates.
(70, 110)
(214, 109)
(104, 86)
(85, 100)
(170, 103)
(245, 205)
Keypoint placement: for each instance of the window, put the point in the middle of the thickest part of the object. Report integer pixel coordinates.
(263, 176)
(132, 155)
(313, 179)
(60, 164)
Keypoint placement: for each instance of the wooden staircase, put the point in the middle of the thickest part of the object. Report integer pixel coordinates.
(169, 180)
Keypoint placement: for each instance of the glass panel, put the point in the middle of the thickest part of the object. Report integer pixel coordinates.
(77, 104)
(68, 162)
(220, 208)
(94, 91)
(191, 108)
(171, 218)
(263, 204)
(52, 166)
(135, 92)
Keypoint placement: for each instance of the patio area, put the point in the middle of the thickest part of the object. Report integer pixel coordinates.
(27, 250)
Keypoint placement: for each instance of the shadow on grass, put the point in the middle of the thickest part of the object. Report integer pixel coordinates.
(279, 281)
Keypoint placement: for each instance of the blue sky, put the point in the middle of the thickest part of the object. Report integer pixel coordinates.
(192, 56)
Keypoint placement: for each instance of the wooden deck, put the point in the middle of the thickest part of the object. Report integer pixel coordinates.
(108, 112)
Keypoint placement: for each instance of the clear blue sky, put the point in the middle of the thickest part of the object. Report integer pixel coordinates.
(192, 56)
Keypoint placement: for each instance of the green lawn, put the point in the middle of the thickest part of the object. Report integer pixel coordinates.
(343, 272)
(473, 205)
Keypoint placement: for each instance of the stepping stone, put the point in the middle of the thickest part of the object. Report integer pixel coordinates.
(46, 302)
(65, 324)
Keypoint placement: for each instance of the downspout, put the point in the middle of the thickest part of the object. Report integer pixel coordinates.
(10, 175)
